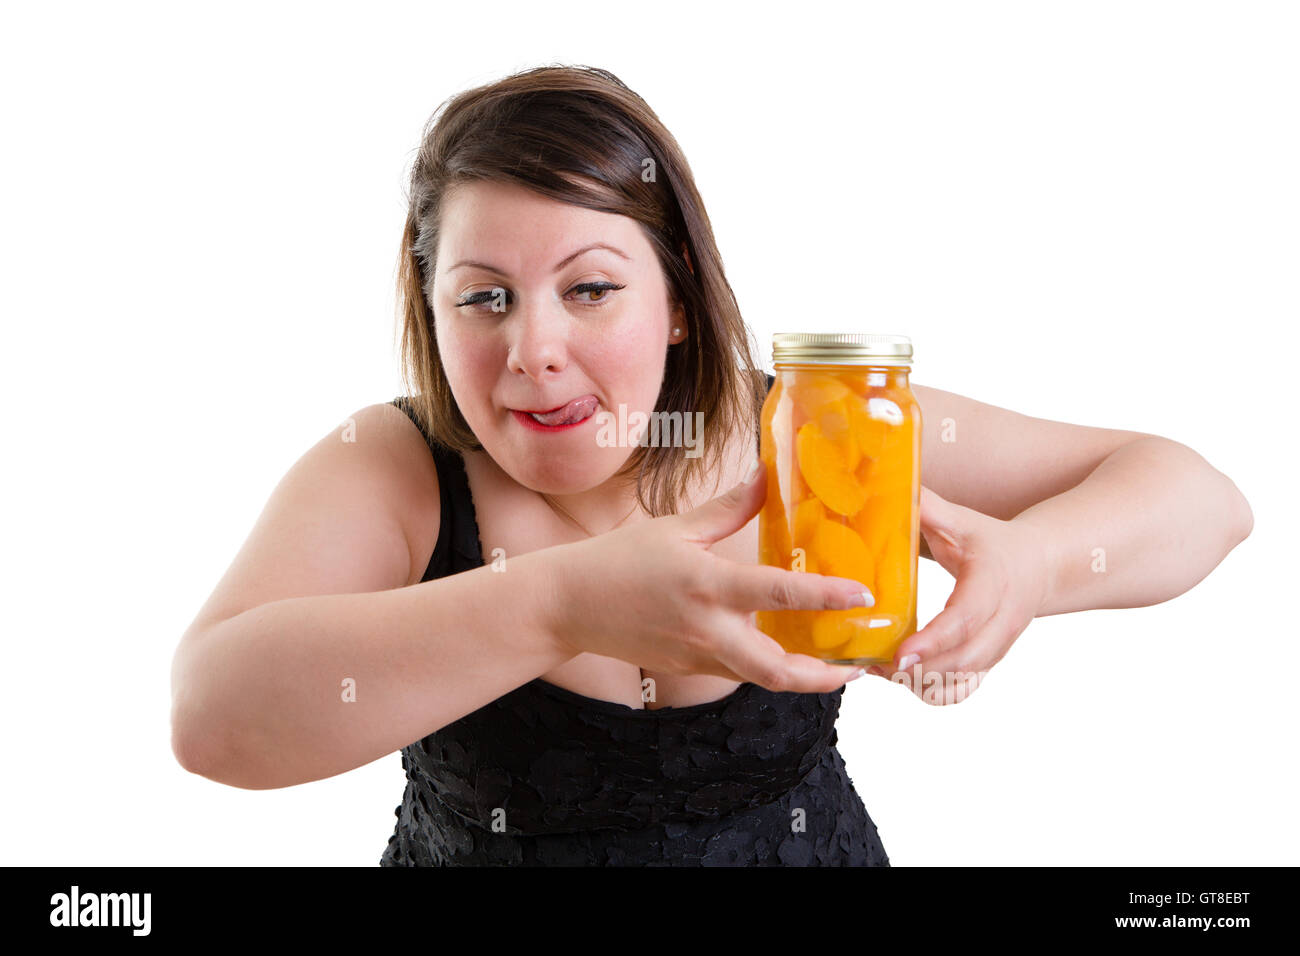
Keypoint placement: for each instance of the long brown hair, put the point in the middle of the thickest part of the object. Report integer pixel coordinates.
(577, 134)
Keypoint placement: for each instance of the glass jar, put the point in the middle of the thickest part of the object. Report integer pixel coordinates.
(841, 442)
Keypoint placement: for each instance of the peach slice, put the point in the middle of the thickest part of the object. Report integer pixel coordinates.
(877, 518)
(836, 424)
(871, 434)
(767, 443)
(825, 466)
(833, 628)
(808, 516)
(872, 642)
(894, 576)
(842, 553)
(774, 531)
(815, 391)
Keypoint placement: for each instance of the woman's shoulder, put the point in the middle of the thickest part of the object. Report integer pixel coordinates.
(402, 449)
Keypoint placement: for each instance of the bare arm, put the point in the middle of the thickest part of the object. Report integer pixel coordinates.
(1130, 518)
(1152, 521)
(317, 652)
(269, 687)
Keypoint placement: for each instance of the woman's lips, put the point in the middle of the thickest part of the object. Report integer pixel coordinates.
(568, 415)
(571, 412)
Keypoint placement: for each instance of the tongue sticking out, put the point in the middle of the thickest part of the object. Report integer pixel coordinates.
(575, 411)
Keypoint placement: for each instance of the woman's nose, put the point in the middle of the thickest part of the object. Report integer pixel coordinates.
(537, 332)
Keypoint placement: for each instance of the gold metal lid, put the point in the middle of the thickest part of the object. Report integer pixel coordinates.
(841, 348)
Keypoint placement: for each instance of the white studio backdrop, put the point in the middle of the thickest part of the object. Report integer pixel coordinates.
(1085, 212)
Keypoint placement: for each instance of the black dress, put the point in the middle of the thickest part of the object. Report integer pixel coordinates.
(543, 776)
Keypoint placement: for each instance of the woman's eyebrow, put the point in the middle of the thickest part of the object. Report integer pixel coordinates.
(558, 266)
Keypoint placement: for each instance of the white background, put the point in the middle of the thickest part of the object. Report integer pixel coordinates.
(1082, 211)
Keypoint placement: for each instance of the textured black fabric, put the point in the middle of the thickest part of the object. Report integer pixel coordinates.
(544, 776)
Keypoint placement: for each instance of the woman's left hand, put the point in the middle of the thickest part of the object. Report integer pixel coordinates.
(1002, 582)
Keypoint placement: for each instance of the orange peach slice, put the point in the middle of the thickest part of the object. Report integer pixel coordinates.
(825, 466)
(815, 391)
(767, 442)
(871, 642)
(871, 434)
(873, 523)
(833, 628)
(808, 516)
(894, 577)
(836, 425)
(774, 530)
(842, 553)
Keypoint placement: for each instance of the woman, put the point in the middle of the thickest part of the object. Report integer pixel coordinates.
(563, 624)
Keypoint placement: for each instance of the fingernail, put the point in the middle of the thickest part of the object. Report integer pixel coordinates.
(862, 599)
(855, 675)
(908, 661)
(753, 472)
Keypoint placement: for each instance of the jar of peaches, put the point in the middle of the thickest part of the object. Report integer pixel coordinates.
(841, 442)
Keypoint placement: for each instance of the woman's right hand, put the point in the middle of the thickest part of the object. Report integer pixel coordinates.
(654, 595)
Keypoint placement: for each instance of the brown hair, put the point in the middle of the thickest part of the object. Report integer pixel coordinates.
(577, 134)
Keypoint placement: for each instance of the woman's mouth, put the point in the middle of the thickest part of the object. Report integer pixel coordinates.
(572, 413)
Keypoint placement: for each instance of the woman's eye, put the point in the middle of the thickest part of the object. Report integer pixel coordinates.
(497, 299)
(599, 291)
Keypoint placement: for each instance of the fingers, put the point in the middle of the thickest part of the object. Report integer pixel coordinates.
(978, 654)
(939, 518)
(761, 660)
(952, 689)
(934, 686)
(759, 587)
(971, 605)
(955, 674)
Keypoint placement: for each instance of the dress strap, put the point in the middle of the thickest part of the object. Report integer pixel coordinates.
(457, 548)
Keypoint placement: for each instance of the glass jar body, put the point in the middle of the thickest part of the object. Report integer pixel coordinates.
(842, 449)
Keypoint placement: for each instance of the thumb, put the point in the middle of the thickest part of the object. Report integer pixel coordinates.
(729, 512)
(943, 524)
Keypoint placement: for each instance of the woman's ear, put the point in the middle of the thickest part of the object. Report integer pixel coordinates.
(678, 329)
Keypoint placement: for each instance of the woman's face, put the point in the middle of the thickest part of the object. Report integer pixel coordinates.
(530, 314)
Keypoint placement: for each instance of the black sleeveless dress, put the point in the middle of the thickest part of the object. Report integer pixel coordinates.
(543, 776)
